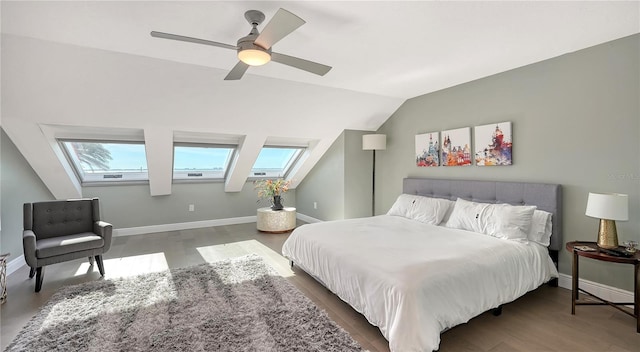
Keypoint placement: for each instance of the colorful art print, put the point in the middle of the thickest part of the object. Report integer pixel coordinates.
(456, 147)
(428, 149)
(493, 144)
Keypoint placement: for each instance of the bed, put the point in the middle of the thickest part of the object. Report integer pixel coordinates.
(414, 279)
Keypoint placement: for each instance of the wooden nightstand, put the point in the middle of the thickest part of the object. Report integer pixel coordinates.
(599, 255)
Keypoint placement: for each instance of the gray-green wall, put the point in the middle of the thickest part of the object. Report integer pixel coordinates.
(575, 121)
(132, 206)
(19, 184)
(340, 183)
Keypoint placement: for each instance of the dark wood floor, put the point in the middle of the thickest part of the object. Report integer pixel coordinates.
(539, 321)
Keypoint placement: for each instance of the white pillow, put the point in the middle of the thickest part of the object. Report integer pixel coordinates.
(498, 220)
(510, 222)
(541, 227)
(430, 210)
(423, 209)
(402, 206)
(468, 216)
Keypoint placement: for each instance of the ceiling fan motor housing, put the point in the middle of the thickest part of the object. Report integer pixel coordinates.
(248, 51)
(247, 42)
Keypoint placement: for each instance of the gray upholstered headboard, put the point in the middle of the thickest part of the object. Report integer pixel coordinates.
(547, 197)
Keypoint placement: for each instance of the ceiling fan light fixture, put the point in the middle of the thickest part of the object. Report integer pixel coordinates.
(254, 57)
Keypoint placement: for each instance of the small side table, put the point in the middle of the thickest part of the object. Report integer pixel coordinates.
(276, 221)
(602, 256)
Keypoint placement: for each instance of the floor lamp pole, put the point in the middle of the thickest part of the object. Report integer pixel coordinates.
(374, 142)
(373, 186)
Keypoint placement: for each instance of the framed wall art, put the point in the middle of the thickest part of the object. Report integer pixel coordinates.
(428, 149)
(493, 144)
(456, 147)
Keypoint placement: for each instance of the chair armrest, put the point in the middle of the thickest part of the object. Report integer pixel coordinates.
(104, 230)
(29, 248)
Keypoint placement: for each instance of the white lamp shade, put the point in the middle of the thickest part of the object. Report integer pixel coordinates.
(374, 142)
(609, 206)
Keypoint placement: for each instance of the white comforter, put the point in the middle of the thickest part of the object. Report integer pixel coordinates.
(414, 280)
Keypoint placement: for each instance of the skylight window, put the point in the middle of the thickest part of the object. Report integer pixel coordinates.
(197, 162)
(97, 161)
(275, 162)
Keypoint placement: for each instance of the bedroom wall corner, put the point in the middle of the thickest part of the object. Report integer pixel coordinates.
(575, 121)
(357, 176)
(324, 185)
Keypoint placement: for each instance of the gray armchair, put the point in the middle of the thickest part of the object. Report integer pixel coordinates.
(61, 230)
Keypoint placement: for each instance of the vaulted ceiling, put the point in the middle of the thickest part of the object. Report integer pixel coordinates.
(78, 68)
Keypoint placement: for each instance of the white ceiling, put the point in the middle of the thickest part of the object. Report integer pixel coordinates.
(382, 53)
(391, 48)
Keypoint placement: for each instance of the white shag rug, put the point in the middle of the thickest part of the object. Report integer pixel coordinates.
(234, 305)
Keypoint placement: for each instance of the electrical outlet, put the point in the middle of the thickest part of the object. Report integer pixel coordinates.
(192, 207)
(315, 205)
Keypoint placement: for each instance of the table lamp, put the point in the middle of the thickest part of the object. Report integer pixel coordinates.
(608, 207)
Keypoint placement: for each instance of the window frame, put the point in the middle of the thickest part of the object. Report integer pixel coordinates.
(105, 181)
(196, 179)
(288, 167)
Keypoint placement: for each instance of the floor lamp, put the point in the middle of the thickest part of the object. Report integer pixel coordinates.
(374, 142)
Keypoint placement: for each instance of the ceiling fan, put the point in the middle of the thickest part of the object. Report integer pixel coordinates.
(255, 48)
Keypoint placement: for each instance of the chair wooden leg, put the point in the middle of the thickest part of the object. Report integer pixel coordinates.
(100, 264)
(39, 277)
(32, 272)
(90, 260)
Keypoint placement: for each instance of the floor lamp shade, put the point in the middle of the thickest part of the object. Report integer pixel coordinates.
(608, 207)
(374, 142)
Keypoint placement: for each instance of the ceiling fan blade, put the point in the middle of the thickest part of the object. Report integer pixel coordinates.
(237, 71)
(282, 23)
(309, 66)
(192, 40)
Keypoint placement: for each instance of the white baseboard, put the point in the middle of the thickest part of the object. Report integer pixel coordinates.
(16, 264)
(307, 218)
(609, 293)
(130, 231)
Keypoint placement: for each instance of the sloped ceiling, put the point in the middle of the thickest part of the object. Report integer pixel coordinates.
(85, 67)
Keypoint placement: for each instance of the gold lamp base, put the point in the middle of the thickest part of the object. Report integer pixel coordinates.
(607, 234)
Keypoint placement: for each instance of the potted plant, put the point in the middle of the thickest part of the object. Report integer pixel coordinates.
(272, 190)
